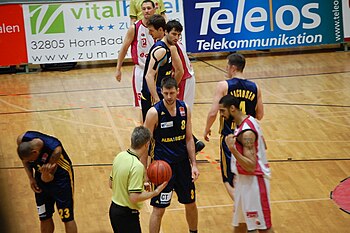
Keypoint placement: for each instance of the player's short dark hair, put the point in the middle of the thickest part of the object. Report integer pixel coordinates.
(145, 1)
(238, 60)
(168, 83)
(157, 21)
(24, 150)
(174, 24)
(228, 100)
(139, 137)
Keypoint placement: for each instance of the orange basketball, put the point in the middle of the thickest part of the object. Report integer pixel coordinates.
(159, 171)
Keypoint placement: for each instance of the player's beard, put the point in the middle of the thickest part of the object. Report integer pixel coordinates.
(169, 102)
(230, 119)
(170, 41)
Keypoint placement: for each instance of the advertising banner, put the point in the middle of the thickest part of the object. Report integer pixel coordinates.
(86, 31)
(227, 25)
(12, 36)
(346, 19)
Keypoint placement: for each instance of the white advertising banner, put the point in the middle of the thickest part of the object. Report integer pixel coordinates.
(346, 19)
(86, 31)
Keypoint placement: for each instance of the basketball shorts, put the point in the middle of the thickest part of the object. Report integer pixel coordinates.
(137, 79)
(124, 219)
(146, 104)
(181, 182)
(59, 192)
(187, 91)
(252, 202)
(225, 162)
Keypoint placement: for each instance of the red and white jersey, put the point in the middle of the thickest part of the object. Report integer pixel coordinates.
(262, 166)
(141, 44)
(186, 64)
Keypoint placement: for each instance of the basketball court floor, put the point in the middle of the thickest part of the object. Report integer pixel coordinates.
(306, 125)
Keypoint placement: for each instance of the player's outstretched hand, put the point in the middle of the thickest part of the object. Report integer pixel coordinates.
(47, 171)
(48, 168)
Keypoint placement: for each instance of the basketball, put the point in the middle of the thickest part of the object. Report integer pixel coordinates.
(159, 171)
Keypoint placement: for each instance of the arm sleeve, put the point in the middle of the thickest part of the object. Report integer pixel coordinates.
(111, 174)
(49, 141)
(136, 179)
(52, 142)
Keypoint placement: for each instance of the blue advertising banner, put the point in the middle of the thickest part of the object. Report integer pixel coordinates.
(226, 25)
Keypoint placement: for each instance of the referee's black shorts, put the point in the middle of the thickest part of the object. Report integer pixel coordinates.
(124, 220)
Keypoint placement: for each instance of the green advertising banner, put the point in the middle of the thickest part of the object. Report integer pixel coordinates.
(86, 31)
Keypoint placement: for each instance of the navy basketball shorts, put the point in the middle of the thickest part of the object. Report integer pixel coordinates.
(181, 182)
(146, 104)
(59, 192)
(225, 162)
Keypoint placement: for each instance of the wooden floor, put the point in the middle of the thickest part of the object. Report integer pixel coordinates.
(306, 124)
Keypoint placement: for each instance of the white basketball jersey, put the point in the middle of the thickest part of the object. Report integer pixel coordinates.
(141, 44)
(262, 167)
(188, 69)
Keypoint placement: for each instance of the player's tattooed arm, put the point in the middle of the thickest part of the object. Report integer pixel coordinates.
(249, 150)
(247, 160)
(248, 144)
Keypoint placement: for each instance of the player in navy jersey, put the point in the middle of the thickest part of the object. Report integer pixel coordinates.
(163, 56)
(170, 122)
(154, 75)
(250, 98)
(52, 181)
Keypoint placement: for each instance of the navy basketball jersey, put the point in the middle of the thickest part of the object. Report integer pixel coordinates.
(50, 143)
(247, 92)
(170, 134)
(164, 68)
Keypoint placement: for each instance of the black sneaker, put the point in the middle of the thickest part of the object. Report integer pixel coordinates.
(199, 145)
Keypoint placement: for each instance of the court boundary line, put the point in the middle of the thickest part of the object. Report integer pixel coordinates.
(64, 91)
(130, 105)
(113, 126)
(203, 161)
(271, 77)
(201, 82)
(295, 104)
(271, 202)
